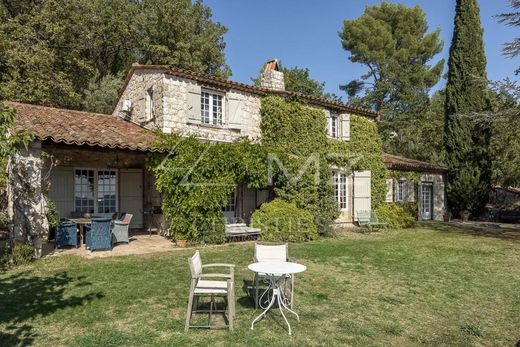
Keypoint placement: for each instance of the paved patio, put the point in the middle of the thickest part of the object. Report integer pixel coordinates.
(139, 244)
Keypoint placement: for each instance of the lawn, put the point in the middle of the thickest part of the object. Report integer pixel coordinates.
(424, 286)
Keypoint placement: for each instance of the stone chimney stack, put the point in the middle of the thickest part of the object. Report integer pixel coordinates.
(272, 78)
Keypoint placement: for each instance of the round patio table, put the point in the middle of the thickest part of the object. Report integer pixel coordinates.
(276, 272)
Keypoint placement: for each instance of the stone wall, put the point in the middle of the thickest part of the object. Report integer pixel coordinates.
(439, 199)
(177, 108)
(172, 107)
(27, 205)
(140, 83)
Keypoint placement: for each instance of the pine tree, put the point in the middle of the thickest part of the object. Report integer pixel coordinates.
(467, 136)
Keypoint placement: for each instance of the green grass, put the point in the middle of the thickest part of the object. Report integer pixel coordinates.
(424, 286)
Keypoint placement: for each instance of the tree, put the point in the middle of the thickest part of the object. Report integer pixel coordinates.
(393, 43)
(512, 48)
(467, 136)
(52, 51)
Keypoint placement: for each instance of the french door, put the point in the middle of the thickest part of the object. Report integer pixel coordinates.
(95, 191)
(426, 201)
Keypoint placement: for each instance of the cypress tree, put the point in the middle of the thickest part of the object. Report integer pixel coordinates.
(467, 136)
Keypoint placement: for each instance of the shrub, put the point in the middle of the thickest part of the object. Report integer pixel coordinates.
(397, 215)
(283, 221)
(22, 254)
(52, 214)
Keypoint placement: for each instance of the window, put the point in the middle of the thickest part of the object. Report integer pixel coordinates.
(212, 108)
(231, 206)
(333, 127)
(340, 188)
(95, 191)
(149, 106)
(400, 190)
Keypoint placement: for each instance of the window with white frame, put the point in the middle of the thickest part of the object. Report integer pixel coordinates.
(399, 194)
(340, 189)
(95, 191)
(149, 106)
(333, 127)
(231, 206)
(212, 108)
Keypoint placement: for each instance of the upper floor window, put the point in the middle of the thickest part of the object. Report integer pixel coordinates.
(149, 105)
(212, 108)
(340, 188)
(333, 127)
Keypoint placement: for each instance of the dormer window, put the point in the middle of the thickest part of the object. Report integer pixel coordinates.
(211, 108)
(333, 127)
(149, 106)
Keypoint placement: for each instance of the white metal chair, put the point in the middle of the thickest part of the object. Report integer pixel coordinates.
(203, 284)
(271, 253)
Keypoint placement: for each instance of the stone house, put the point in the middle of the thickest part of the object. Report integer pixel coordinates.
(98, 161)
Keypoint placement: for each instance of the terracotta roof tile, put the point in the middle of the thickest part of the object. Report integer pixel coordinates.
(402, 163)
(82, 128)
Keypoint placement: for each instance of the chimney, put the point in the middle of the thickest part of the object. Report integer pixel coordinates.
(272, 78)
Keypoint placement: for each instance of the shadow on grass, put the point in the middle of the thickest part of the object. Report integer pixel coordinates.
(24, 297)
(484, 230)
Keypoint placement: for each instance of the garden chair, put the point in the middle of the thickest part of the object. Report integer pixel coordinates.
(98, 234)
(204, 285)
(369, 220)
(271, 253)
(66, 234)
(120, 229)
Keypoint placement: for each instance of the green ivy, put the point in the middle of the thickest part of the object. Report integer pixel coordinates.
(196, 179)
(364, 151)
(296, 134)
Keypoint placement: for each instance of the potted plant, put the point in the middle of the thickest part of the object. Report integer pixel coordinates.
(180, 240)
(465, 216)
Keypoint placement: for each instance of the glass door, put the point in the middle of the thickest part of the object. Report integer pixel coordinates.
(426, 201)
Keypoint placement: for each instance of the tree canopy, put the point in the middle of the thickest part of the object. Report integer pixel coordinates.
(393, 43)
(467, 136)
(54, 52)
(512, 48)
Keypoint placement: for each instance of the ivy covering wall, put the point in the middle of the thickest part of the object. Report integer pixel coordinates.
(294, 156)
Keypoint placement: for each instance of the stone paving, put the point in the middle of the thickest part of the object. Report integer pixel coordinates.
(139, 244)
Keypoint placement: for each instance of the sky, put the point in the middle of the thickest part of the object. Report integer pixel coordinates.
(304, 33)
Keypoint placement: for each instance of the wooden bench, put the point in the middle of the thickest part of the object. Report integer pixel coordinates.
(369, 220)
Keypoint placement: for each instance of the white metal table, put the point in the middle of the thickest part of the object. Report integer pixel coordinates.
(276, 272)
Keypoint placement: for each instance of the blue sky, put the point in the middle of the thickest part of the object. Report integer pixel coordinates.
(305, 33)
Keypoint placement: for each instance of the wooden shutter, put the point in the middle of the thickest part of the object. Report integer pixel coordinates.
(193, 101)
(345, 126)
(389, 190)
(410, 191)
(362, 192)
(235, 112)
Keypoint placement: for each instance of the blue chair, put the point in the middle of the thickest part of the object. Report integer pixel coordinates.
(98, 234)
(66, 234)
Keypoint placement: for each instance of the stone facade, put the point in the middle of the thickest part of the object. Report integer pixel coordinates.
(174, 108)
(272, 79)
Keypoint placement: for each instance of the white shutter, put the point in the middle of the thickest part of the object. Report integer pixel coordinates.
(193, 102)
(345, 126)
(362, 192)
(410, 187)
(389, 190)
(235, 112)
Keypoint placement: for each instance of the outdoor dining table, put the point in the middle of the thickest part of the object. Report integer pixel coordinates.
(276, 272)
(81, 222)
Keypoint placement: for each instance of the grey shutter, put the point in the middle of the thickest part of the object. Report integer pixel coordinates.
(193, 103)
(345, 126)
(389, 190)
(410, 185)
(362, 192)
(327, 117)
(235, 112)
